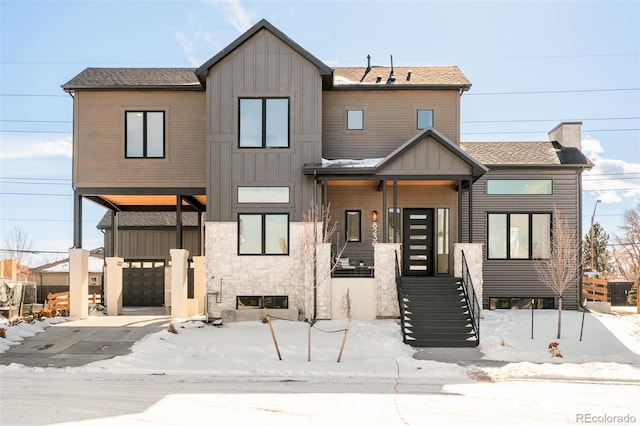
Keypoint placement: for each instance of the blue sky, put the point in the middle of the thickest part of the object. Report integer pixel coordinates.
(532, 65)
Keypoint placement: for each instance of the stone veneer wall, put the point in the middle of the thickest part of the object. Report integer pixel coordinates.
(386, 292)
(231, 275)
(473, 255)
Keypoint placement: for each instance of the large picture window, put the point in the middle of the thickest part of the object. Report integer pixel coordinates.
(519, 186)
(519, 236)
(264, 123)
(263, 234)
(144, 134)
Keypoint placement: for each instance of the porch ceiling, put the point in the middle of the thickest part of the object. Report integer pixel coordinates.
(376, 183)
(149, 202)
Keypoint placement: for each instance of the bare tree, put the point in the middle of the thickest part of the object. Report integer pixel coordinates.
(562, 267)
(627, 253)
(18, 246)
(310, 242)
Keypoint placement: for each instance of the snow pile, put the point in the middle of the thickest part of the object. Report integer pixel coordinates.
(16, 334)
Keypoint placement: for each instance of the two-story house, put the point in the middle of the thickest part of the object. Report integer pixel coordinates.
(264, 131)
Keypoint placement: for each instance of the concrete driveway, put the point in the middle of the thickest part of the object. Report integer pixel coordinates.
(80, 342)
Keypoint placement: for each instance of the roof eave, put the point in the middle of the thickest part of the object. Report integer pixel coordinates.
(203, 70)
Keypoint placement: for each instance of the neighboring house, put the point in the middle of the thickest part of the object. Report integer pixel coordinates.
(264, 129)
(54, 277)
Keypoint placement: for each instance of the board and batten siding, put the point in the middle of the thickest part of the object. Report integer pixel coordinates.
(99, 140)
(151, 243)
(389, 120)
(518, 278)
(263, 66)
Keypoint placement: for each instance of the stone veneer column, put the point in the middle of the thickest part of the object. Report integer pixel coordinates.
(79, 283)
(385, 272)
(113, 285)
(179, 265)
(199, 282)
(473, 256)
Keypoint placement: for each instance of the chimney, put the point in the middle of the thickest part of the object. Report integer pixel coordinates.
(567, 134)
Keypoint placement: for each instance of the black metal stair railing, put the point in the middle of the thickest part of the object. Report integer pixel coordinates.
(401, 299)
(470, 297)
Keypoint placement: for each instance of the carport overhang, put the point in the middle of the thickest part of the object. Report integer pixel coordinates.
(139, 199)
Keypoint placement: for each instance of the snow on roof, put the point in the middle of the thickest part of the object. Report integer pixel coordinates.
(344, 162)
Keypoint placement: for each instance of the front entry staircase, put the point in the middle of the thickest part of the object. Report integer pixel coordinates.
(435, 313)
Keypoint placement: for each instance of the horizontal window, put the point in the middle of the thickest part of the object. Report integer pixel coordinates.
(261, 302)
(424, 118)
(521, 302)
(519, 186)
(144, 134)
(519, 236)
(264, 123)
(355, 119)
(263, 194)
(263, 234)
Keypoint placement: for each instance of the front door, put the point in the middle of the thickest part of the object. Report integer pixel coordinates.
(417, 242)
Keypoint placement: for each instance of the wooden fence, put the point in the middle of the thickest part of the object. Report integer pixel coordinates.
(594, 289)
(60, 301)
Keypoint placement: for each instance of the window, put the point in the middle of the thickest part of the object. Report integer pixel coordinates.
(394, 229)
(263, 194)
(261, 302)
(443, 241)
(352, 220)
(355, 119)
(521, 302)
(263, 234)
(144, 134)
(264, 123)
(424, 118)
(519, 186)
(519, 236)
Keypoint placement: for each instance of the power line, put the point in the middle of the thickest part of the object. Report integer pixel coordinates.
(36, 121)
(40, 195)
(554, 91)
(549, 120)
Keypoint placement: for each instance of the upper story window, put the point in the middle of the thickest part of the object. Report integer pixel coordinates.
(519, 236)
(264, 123)
(424, 118)
(144, 134)
(519, 186)
(355, 119)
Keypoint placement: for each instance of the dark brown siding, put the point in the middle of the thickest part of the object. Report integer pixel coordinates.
(518, 278)
(151, 243)
(263, 66)
(389, 120)
(99, 140)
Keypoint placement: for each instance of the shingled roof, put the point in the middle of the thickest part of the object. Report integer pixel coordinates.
(135, 78)
(449, 76)
(532, 153)
(148, 219)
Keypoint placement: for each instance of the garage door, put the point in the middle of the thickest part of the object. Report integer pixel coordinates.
(143, 283)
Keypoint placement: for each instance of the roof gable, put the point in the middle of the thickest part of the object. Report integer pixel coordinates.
(429, 152)
(203, 70)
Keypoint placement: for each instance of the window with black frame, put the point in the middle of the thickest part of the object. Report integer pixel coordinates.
(264, 123)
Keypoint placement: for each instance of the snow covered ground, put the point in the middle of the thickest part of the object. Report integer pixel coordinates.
(206, 374)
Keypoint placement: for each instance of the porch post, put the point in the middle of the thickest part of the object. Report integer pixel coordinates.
(199, 283)
(79, 283)
(114, 285)
(470, 213)
(77, 220)
(459, 210)
(178, 221)
(395, 207)
(179, 265)
(385, 236)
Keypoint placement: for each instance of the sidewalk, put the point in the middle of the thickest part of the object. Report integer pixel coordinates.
(76, 343)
